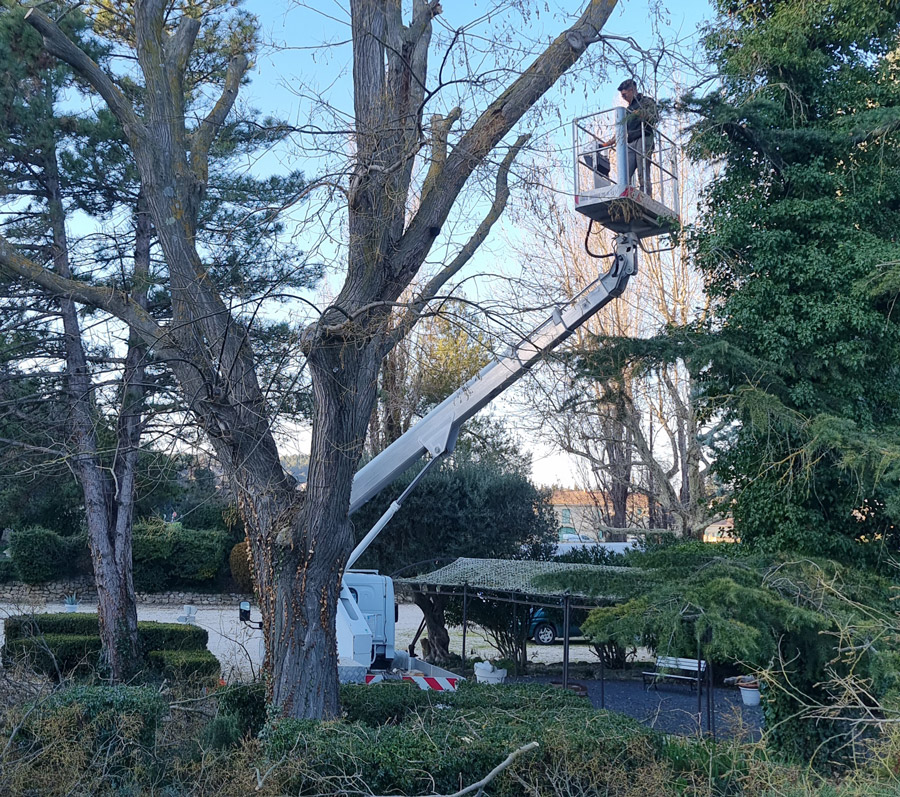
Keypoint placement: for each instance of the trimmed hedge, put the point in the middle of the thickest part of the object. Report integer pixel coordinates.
(41, 555)
(55, 654)
(171, 636)
(181, 665)
(70, 644)
(18, 626)
(166, 555)
(441, 748)
(153, 635)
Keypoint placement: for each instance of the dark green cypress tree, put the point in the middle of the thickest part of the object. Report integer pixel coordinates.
(796, 229)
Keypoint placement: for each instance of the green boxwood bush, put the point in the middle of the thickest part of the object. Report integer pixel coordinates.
(28, 625)
(55, 654)
(167, 555)
(171, 636)
(153, 635)
(112, 713)
(70, 644)
(8, 571)
(41, 555)
(182, 665)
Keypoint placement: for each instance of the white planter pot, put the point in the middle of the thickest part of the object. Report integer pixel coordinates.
(71, 607)
(749, 695)
(495, 677)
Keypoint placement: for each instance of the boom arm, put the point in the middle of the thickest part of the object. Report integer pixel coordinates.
(436, 433)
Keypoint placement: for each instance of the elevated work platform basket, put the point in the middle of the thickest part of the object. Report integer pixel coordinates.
(627, 187)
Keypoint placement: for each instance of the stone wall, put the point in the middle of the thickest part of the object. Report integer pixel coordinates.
(83, 586)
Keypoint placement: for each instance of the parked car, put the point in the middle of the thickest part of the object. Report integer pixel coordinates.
(546, 628)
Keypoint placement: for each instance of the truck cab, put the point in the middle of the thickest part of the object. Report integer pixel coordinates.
(366, 619)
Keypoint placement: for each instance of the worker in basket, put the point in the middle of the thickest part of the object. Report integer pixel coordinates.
(640, 133)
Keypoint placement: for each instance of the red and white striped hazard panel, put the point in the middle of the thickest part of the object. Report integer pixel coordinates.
(422, 681)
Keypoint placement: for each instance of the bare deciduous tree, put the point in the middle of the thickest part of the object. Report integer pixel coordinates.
(300, 541)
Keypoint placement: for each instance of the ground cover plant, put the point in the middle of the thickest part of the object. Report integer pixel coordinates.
(392, 739)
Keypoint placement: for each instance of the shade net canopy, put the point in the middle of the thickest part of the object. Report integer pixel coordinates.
(524, 576)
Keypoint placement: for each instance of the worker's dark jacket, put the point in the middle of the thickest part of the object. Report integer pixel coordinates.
(642, 112)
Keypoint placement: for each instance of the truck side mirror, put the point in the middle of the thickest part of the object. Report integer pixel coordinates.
(244, 611)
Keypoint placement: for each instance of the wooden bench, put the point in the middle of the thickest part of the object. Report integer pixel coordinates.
(675, 669)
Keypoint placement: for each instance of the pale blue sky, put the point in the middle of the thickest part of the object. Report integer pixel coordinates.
(293, 66)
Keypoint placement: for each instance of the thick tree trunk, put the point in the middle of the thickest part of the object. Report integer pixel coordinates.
(303, 644)
(300, 545)
(433, 606)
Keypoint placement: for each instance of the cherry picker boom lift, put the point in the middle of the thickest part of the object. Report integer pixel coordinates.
(366, 609)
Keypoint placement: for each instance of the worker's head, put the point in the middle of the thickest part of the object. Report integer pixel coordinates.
(628, 90)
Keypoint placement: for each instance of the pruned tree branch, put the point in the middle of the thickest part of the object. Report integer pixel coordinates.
(57, 43)
(209, 127)
(114, 302)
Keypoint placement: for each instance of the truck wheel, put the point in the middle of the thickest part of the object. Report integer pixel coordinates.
(544, 634)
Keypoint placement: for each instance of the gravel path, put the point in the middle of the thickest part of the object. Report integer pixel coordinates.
(672, 708)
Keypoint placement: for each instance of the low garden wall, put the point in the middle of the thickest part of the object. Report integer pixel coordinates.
(17, 593)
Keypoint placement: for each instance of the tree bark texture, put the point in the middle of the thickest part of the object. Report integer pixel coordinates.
(108, 501)
(433, 605)
(300, 542)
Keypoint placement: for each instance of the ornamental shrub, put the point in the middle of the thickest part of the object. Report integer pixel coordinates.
(185, 665)
(41, 555)
(55, 655)
(241, 572)
(18, 626)
(8, 571)
(171, 636)
(69, 644)
(167, 555)
(153, 635)
(246, 704)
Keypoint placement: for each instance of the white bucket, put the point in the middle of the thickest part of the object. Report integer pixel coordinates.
(486, 673)
(749, 695)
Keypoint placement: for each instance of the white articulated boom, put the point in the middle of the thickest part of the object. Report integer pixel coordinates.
(437, 432)
(365, 632)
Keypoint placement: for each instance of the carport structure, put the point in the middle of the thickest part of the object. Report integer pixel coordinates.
(522, 582)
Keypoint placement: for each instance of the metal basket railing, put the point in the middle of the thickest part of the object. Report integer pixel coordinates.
(602, 157)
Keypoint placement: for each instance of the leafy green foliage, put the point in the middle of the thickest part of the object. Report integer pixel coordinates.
(246, 705)
(113, 715)
(239, 562)
(167, 555)
(69, 644)
(461, 508)
(55, 655)
(794, 236)
(18, 626)
(197, 666)
(788, 619)
(462, 745)
(8, 571)
(40, 554)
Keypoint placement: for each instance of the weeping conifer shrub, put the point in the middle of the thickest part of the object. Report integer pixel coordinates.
(805, 626)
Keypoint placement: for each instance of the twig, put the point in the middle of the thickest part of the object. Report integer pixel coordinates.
(493, 773)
